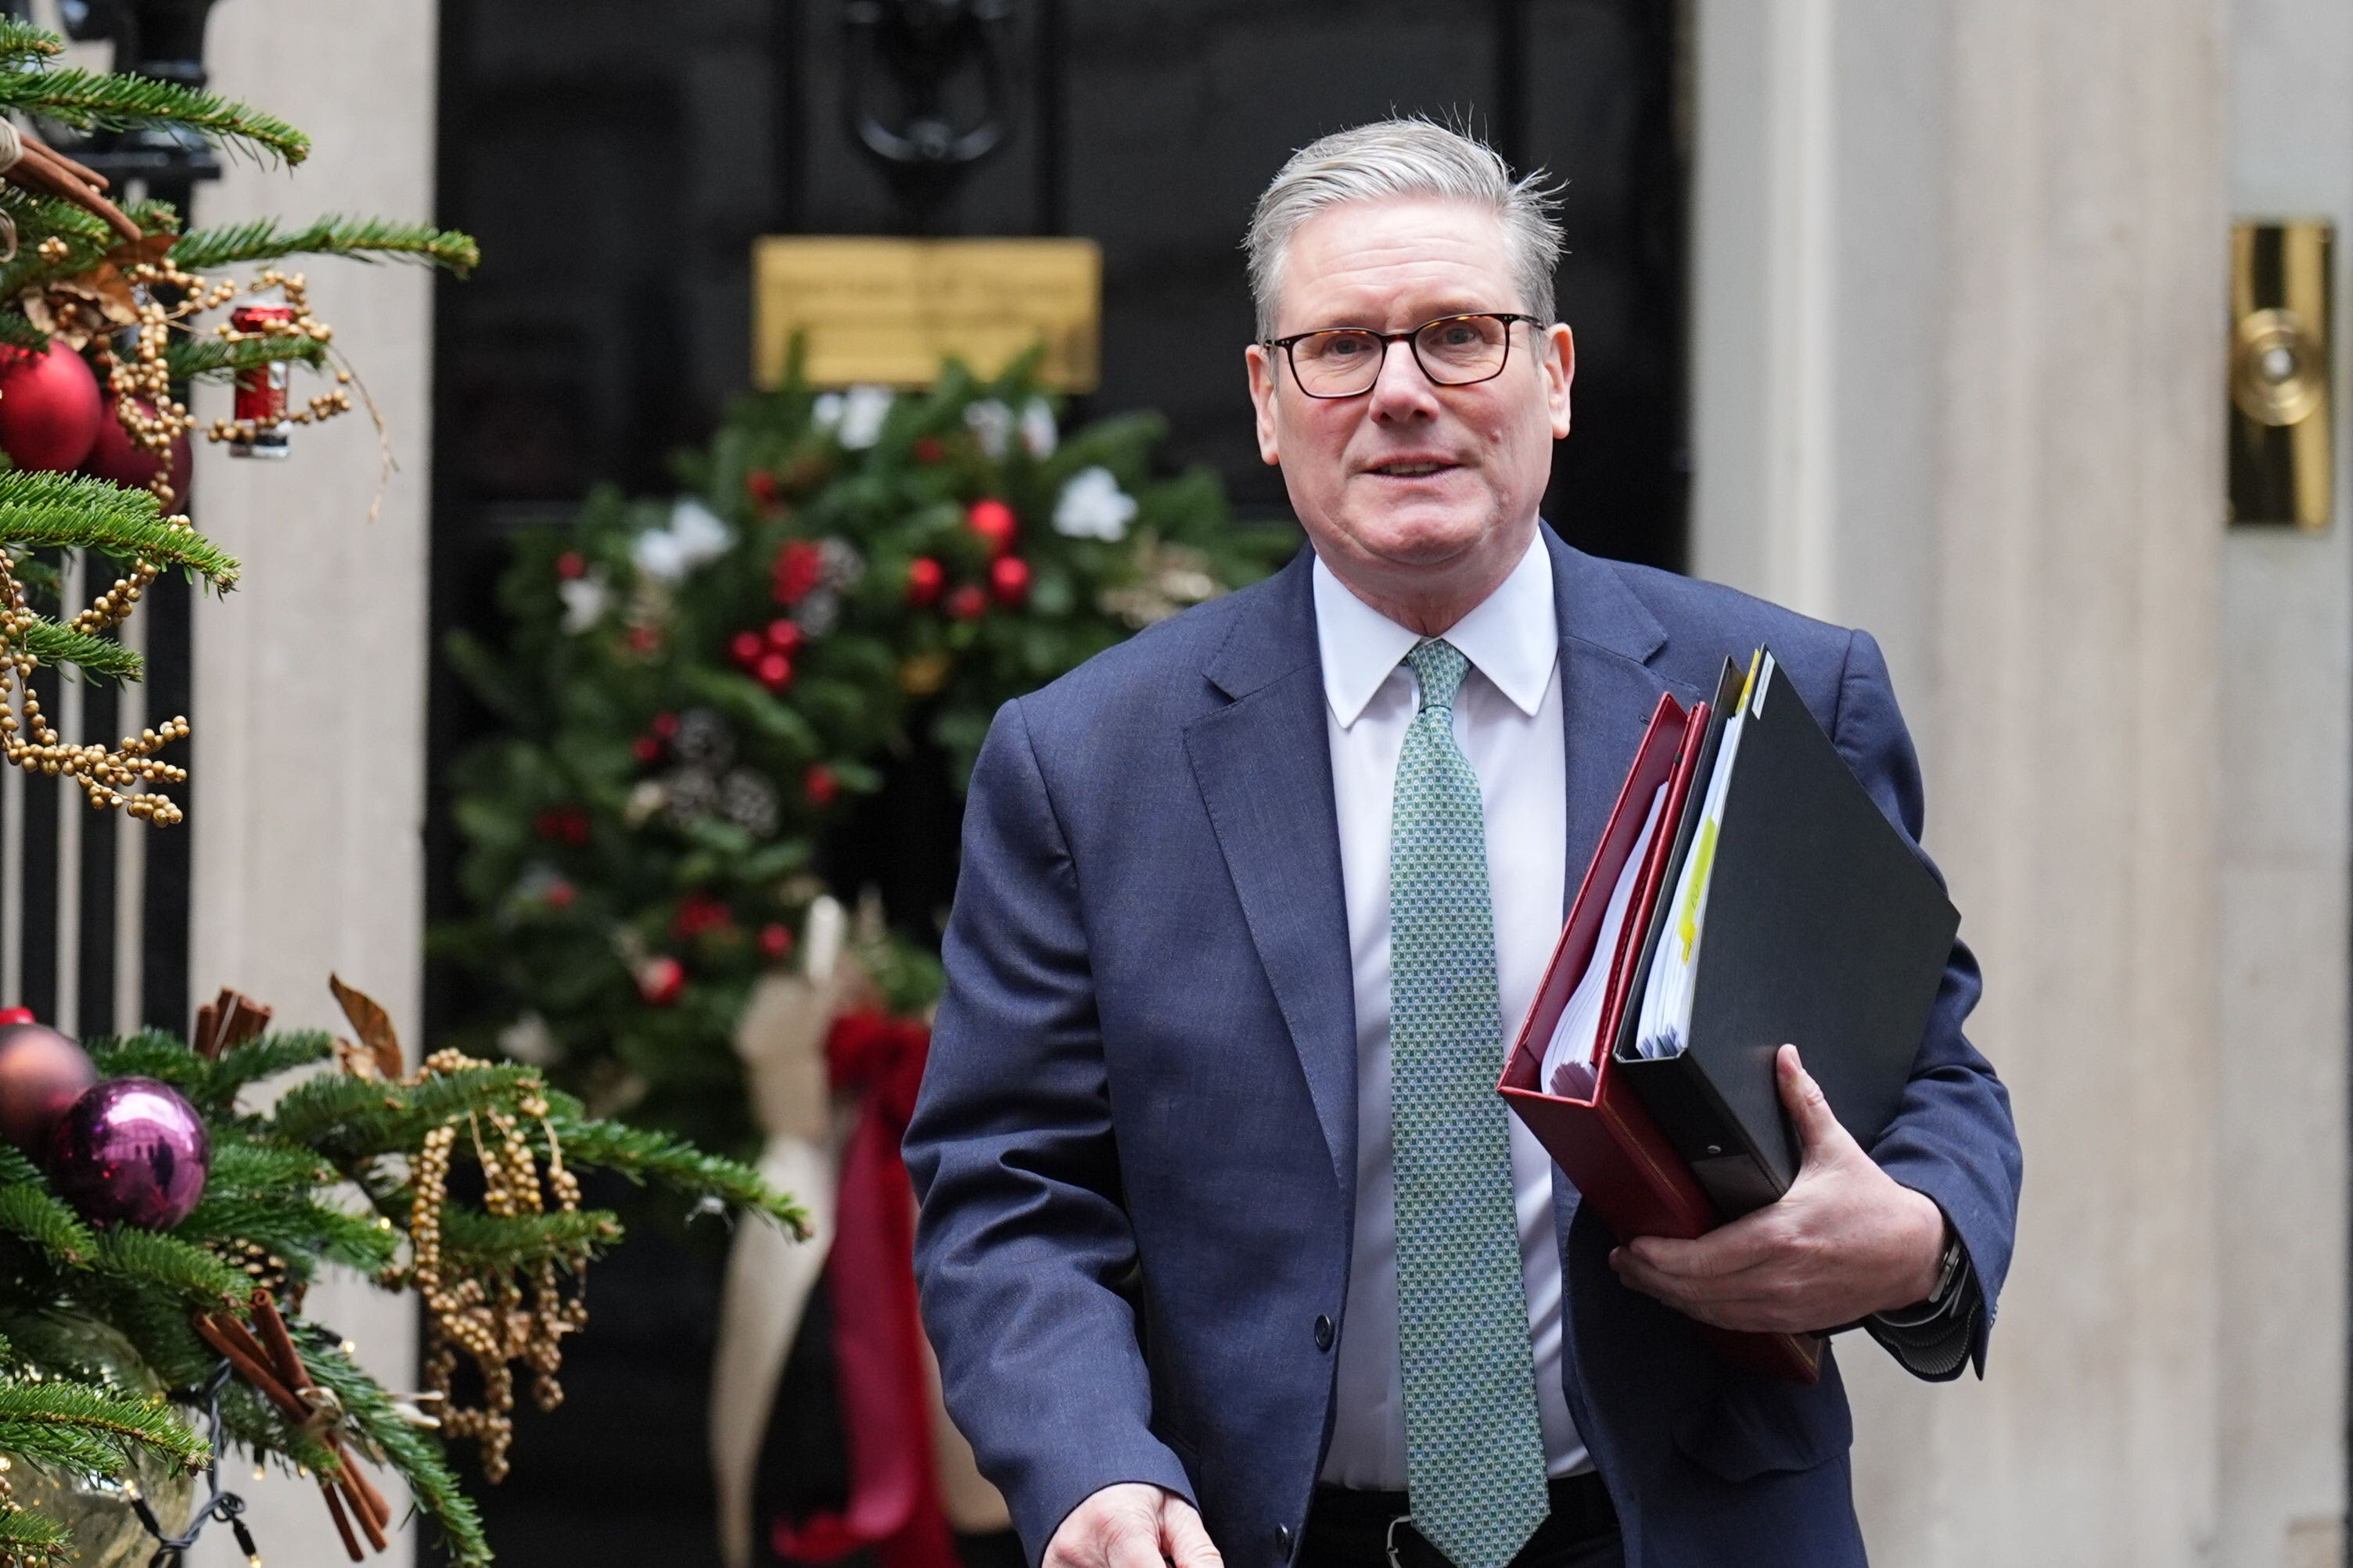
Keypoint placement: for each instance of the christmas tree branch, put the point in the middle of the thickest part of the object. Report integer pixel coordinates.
(192, 358)
(21, 41)
(475, 1242)
(362, 239)
(29, 1212)
(44, 512)
(53, 644)
(145, 1257)
(372, 1414)
(30, 1537)
(646, 1156)
(60, 1411)
(95, 101)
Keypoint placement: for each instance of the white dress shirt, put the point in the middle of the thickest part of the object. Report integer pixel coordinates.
(1507, 720)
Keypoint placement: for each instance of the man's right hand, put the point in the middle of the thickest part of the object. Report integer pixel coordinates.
(1132, 1525)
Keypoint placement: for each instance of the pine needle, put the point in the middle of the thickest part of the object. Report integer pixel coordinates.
(145, 1258)
(98, 101)
(473, 1241)
(29, 1535)
(360, 238)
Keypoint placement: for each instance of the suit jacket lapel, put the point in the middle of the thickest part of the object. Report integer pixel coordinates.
(1264, 768)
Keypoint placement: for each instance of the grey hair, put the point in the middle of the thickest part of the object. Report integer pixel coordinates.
(1413, 157)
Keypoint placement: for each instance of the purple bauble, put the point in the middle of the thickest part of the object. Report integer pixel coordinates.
(41, 1074)
(132, 1150)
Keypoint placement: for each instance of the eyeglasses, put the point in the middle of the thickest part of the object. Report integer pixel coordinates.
(1452, 351)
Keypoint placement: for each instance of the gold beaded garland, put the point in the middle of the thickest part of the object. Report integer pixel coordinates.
(496, 1317)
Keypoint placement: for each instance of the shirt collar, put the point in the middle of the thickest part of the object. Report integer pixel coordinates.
(1512, 636)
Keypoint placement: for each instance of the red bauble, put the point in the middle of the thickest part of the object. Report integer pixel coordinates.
(785, 637)
(819, 785)
(967, 602)
(17, 1015)
(994, 521)
(662, 980)
(776, 940)
(49, 407)
(745, 646)
(41, 1074)
(117, 458)
(775, 671)
(1008, 580)
(925, 578)
(571, 565)
(132, 1152)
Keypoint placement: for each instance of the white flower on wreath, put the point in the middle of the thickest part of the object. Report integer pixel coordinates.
(695, 535)
(1092, 506)
(529, 1039)
(855, 417)
(991, 424)
(585, 598)
(1038, 434)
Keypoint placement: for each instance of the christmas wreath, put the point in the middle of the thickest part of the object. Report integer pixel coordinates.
(693, 688)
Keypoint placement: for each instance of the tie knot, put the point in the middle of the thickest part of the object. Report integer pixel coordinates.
(1440, 666)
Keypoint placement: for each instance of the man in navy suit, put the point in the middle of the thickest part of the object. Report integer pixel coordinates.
(1229, 1249)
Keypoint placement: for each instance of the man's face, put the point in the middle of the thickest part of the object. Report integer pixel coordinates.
(1411, 488)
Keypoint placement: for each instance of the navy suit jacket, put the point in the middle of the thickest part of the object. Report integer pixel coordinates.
(1134, 1146)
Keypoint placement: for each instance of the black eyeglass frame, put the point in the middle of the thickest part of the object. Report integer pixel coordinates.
(1384, 339)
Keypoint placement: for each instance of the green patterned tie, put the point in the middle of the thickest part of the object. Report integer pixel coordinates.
(1474, 1452)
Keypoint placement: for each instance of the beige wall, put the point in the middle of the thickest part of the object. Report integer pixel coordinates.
(1959, 298)
(309, 739)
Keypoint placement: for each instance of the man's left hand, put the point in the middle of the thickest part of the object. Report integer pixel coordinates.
(1845, 1241)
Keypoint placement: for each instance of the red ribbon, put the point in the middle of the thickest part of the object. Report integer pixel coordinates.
(880, 1364)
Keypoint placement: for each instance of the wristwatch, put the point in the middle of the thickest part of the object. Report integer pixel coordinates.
(1948, 1267)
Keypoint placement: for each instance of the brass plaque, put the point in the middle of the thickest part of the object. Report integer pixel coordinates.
(890, 311)
(2281, 424)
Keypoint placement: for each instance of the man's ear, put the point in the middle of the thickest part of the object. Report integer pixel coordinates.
(1261, 387)
(1559, 370)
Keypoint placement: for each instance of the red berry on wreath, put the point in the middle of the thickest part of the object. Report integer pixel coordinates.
(967, 602)
(785, 637)
(930, 448)
(925, 578)
(994, 522)
(746, 646)
(776, 940)
(571, 565)
(1008, 580)
(49, 407)
(645, 640)
(646, 749)
(666, 725)
(799, 566)
(775, 671)
(559, 894)
(761, 486)
(819, 785)
(662, 980)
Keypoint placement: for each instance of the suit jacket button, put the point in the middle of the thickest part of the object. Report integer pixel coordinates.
(1282, 1540)
(1323, 1333)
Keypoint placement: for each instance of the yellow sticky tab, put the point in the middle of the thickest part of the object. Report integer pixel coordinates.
(1702, 858)
(1750, 685)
